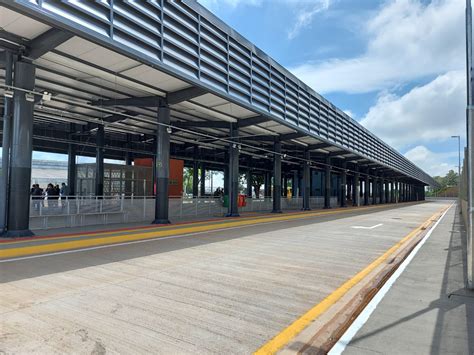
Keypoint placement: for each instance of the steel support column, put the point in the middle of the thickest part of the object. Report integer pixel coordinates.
(343, 187)
(6, 145)
(162, 165)
(268, 185)
(21, 153)
(196, 173)
(277, 177)
(203, 180)
(366, 189)
(392, 191)
(356, 188)
(327, 184)
(129, 154)
(233, 210)
(295, 184)
(226, 173)
(71, 169)
(374, 190)
(249, 178)
(99, 161)
(306, 181)
(382, 190)
(396, 192)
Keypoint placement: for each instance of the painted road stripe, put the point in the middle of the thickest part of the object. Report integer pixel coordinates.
(17, 252)
(181, 224)
(285, 336)
(346, 338)
(373, 227)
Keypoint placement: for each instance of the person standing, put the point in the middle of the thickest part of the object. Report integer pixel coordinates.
(64, 190)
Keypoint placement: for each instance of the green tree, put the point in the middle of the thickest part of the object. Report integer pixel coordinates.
(188, 180)
(257, 182)
(451, 178)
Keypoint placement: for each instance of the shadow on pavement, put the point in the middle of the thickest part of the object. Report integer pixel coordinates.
(453, 295)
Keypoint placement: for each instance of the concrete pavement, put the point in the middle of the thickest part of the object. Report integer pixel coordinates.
(427, 310)
(222, 291)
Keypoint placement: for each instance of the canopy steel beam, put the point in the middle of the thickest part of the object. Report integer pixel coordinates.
(184, 95)
(46, 42)
(318, 146)
(202, 124)
(253, 121)
(154, 101)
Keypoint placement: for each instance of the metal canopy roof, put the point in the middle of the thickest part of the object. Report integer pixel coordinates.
(105, 65)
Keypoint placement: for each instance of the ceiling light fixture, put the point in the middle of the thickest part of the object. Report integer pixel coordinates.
(8, 93)
(46, 96)
(29, 97)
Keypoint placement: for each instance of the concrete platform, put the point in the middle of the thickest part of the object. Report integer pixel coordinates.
(228, 290)
(427, 310)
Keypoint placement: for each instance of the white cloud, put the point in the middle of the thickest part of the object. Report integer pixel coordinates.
(305, 16)
(435, 164)
(406, 40)
(431, 112)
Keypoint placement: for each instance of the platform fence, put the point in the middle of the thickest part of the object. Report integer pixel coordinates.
(75, 211)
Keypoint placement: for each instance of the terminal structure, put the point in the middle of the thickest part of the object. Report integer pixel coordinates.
(168, 80)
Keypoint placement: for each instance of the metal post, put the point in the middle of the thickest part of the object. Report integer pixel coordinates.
(196, 173)
(277, 177)
(203, 180)
(356, 187)
(129, 154)
(343, 187)
(6, 145)
(162, 165)
(268, 183)
(382, 190)
(374, 190)
(71, 169)
(294, 184)
(21, 153)
(366, 188)
(327, 184)
(99, 172)
(306, 181)
(233, 210)
(392, 191)
(226, 174)
(249, 178)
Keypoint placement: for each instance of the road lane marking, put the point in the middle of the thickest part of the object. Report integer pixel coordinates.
(362, 318)
(373, 227)
(287, 334)
(181, 224)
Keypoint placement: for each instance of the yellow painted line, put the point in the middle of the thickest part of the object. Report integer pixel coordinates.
(218, 221)
(285, 336)
(92, 242)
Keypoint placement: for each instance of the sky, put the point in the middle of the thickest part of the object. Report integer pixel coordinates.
(396, 66)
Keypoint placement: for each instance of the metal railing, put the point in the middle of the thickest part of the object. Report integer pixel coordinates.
(75, 211)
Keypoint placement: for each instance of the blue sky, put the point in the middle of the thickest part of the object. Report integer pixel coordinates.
(397, 66)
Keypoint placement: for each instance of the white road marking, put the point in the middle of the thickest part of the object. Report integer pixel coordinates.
(361, 227)
(362, 318)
